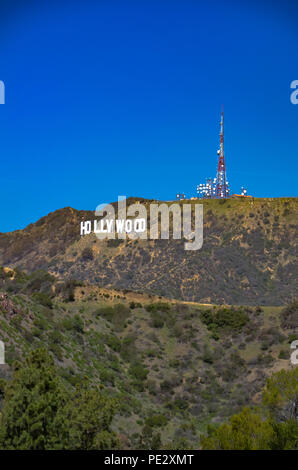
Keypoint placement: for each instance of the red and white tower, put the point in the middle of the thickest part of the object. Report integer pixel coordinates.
(221, 186)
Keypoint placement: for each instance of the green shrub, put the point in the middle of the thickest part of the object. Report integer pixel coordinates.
(28, 336)
(138, 371)
(78, 324)
(289, 315)
(37, 332)
(107, 377)
(224, 318)
(180, 404)
(283, 354)
(113, 342)
(66, 324)
(207, 356)
(43, 299)
(40, 323)
(128, 350)
(56, 350)
(156, 421)
(133, 305)
(157, 320)
(75, 323)
(114, 243)
(117, 315)
(292, 338)
(55, 337)
(105, 312)
(158, 307)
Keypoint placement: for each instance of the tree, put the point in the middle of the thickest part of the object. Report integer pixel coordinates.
(281, 395)
(39, 413)
(149, 440)
(276, 430)
(245, 431)
(32, 416)
(90, 415)
(286, 435)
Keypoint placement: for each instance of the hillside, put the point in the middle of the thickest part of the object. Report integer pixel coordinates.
(248, 254)
(173, 366)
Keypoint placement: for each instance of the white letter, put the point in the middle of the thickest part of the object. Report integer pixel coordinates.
(142, 212)
(119, 226)
(110, 214)
(110, 225)
(140, 225)
(128, 225)
(122, 214)
(85, 227)
(96, 229)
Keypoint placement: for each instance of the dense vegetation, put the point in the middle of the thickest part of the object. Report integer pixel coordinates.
(273, 427)
(40, 412)
(164, 373)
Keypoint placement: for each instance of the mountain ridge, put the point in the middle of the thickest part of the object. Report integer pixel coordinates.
(248, 254)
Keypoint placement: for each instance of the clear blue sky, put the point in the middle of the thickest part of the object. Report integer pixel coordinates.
(108, 98)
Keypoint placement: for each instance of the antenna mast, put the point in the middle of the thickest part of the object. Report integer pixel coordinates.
(222, 185)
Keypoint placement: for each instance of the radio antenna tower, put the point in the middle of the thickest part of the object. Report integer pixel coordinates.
(222, 185)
